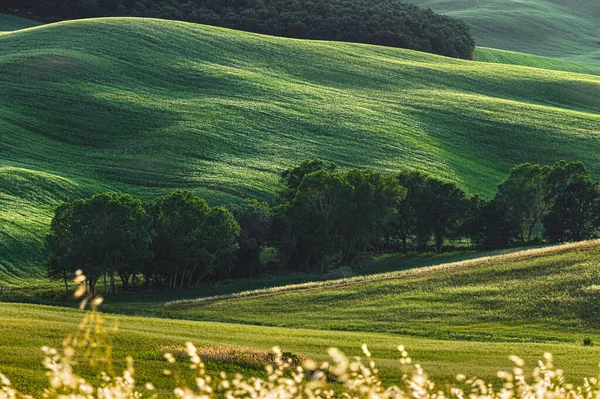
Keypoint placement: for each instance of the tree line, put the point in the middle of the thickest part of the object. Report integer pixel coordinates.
(388, 22)
(324, 217)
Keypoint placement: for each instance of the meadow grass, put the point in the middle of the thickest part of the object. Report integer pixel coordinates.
(147, 106)
(24, 329)
(542, 295)
(564, 29)
(12, 22)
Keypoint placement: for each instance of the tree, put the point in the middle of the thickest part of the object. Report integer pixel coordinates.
(178, 244)
(373, 201)
(432, 207)
(574, 203)
(59, 242)
(445, 209)
(317, 208)
(106, 234)
(221, 235)
(254, 219)
(488, 225)
(292, 178)
(407, 219)
(523, 196)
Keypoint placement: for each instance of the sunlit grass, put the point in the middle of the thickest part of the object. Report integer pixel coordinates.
(540, 295)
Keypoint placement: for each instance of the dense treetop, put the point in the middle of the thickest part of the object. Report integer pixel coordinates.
(389, 22)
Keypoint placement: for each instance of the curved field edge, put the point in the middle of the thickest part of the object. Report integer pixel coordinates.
(346, 282)
(26, 328)
(542, 295)
(222, 112)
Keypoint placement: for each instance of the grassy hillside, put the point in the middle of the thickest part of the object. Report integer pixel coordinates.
(549, 294)
(26, 328)
(11, 22)
(556, 28)
(486, 54)
(147, 106)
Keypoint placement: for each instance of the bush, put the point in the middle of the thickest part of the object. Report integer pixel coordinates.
(587, 341)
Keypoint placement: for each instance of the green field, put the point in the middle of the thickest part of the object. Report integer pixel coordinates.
(11, 23)
(85, 108)
(567, 29)
(540, 295)
(544, 288)
(486, 54)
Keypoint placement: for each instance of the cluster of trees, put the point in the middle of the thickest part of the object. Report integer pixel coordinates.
(537, 202)
(174, 241)
(324, 217)
(389, 22)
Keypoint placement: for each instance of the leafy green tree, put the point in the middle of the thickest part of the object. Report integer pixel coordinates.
(488, 225)
(59, 242)
(372, 203)
(574, 203)
(444, 209)
(222, 234)
(254, 218)
(104, 235)
(407, 219)
(281, 236)
(321, 202)
(180, 218)
(292, 178)
(523, 197)
(432, 208)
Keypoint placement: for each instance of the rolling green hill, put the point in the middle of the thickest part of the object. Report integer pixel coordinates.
(556, 28)
(540, 295)
(486, 54)
(11, 23)
(469, 304)
(147, 106)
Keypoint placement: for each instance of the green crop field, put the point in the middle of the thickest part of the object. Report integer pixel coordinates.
(568, 29)
(11, 23)
(545, 288)
(547, 294)
(486, 54)
(146, 106)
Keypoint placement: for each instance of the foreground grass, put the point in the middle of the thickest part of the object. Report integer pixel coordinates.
(26, 328)
(555, 28)
(147, 106)
(541, 295)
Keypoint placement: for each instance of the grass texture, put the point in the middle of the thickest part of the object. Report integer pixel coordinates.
(415, 298)
(539, 295)
(11, 23)
(147, 106)
(567, 29)
(24, 329)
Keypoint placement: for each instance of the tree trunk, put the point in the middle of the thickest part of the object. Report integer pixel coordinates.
(439, 243)
(66, 282)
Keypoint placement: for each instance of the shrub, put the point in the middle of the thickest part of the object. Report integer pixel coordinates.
(587, 341)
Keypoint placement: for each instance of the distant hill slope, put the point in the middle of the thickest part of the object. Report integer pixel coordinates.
(147, 106)
(548, 294)
(486, 54)
(568, 29)
(11, 23)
